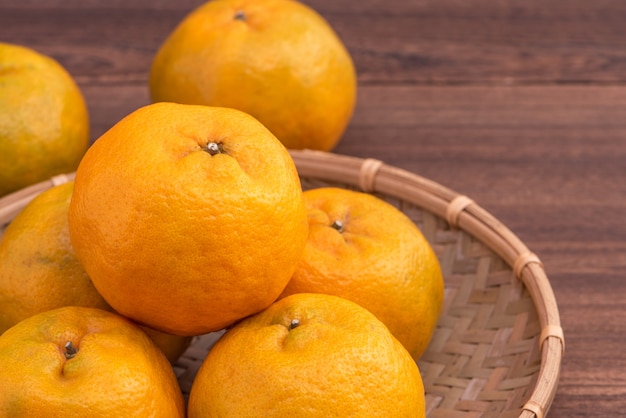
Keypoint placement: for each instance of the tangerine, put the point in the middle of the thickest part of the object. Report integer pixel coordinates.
(278, 60)
(188, 218)
(308, 355)
(84, 362)
(44, 122)
(362, 248)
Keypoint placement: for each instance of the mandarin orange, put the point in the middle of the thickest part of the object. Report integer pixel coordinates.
(188, 218)
(364, 249)
(278, 60)
(38, 267)
(84, 362)
(44, 121)
(308, 355)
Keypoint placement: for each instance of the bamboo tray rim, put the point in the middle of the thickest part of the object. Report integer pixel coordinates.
(460, 211)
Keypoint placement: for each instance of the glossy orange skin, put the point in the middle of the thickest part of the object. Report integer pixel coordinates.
(339, 361)
(44, 121)
(179, 239)
(278, 60)
(378, 259)
(38, 267)
(116, 370)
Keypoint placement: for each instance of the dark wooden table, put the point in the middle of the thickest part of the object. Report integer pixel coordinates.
(519, 104)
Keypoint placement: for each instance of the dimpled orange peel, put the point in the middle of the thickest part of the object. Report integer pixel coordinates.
(188, 218)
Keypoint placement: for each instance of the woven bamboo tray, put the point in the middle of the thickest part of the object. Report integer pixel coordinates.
(498, 347)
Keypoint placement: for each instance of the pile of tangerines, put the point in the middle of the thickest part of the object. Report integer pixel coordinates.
(188, 217)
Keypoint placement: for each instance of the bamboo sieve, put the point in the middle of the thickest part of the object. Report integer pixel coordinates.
(498, 347)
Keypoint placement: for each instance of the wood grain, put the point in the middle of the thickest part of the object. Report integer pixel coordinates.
(519, 104)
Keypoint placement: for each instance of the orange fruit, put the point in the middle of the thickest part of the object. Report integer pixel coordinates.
(44, 123)
(84, 362)
(278, 60)
(39, 270)
(173, 346)
(308, 355)
(364, 249)
(188, 218)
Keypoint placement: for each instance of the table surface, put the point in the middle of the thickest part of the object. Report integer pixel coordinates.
(519, 104)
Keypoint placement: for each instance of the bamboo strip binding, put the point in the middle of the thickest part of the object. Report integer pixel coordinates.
(452, 221)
